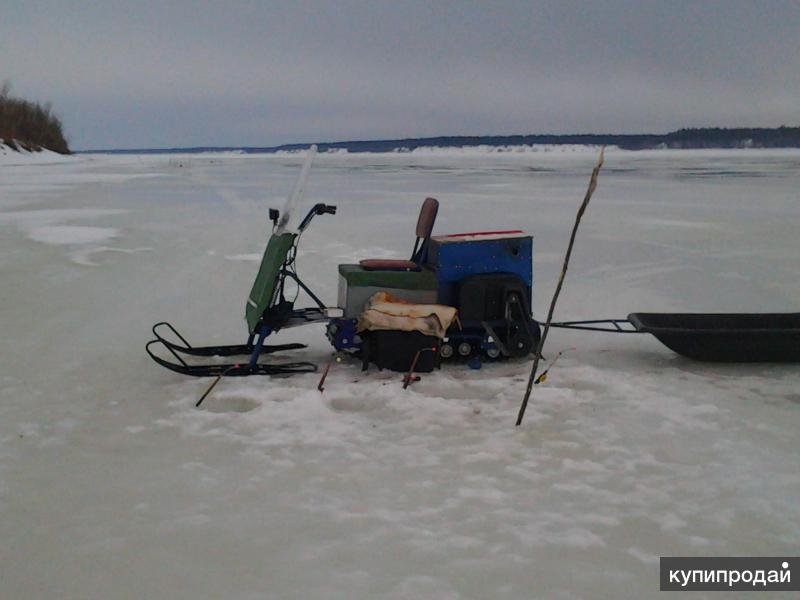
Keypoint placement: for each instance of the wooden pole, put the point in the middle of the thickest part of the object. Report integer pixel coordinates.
(581, 210)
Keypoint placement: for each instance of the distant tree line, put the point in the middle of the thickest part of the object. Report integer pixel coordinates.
(29, 125)
(707, 137)
(716, 137)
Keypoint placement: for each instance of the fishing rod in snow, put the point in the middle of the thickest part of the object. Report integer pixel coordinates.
(538, 355)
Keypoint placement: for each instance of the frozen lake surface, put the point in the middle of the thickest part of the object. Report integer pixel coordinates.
(112, 485)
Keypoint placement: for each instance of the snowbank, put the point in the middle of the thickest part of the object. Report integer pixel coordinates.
(11, 157)
(480, 150)
(522, 149)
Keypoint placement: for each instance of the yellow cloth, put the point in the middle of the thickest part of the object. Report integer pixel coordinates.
(385, 312)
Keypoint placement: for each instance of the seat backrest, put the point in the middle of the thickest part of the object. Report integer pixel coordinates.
(427, 217)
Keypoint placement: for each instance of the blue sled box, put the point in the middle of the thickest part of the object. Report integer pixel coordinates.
(455, 257)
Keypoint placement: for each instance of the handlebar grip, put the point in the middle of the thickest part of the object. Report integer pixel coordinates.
(329, 209)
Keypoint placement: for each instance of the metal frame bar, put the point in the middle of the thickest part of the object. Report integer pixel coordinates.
(303, 286)
(612, 325)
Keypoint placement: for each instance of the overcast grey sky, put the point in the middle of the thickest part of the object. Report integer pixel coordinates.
(159, 73)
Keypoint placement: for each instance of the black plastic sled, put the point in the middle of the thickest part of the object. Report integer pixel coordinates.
(725, 337)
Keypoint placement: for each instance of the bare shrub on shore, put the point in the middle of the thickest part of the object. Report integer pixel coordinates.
(28, 124)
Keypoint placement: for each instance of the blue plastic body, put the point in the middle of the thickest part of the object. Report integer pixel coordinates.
(454, 259)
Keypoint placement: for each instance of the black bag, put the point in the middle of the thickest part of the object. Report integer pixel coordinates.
(395, 350)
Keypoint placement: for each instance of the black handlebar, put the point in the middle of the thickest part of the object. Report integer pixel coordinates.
(318, 209)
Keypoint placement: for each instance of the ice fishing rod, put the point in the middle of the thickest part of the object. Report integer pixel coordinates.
(581, 210)
(215, 382)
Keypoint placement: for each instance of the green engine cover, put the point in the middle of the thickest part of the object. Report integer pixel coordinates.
(357, 276)
(263, 291)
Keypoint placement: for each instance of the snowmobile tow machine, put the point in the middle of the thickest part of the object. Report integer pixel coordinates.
(486, 276)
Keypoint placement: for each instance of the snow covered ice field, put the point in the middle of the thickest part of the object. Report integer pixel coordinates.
(112, 485)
